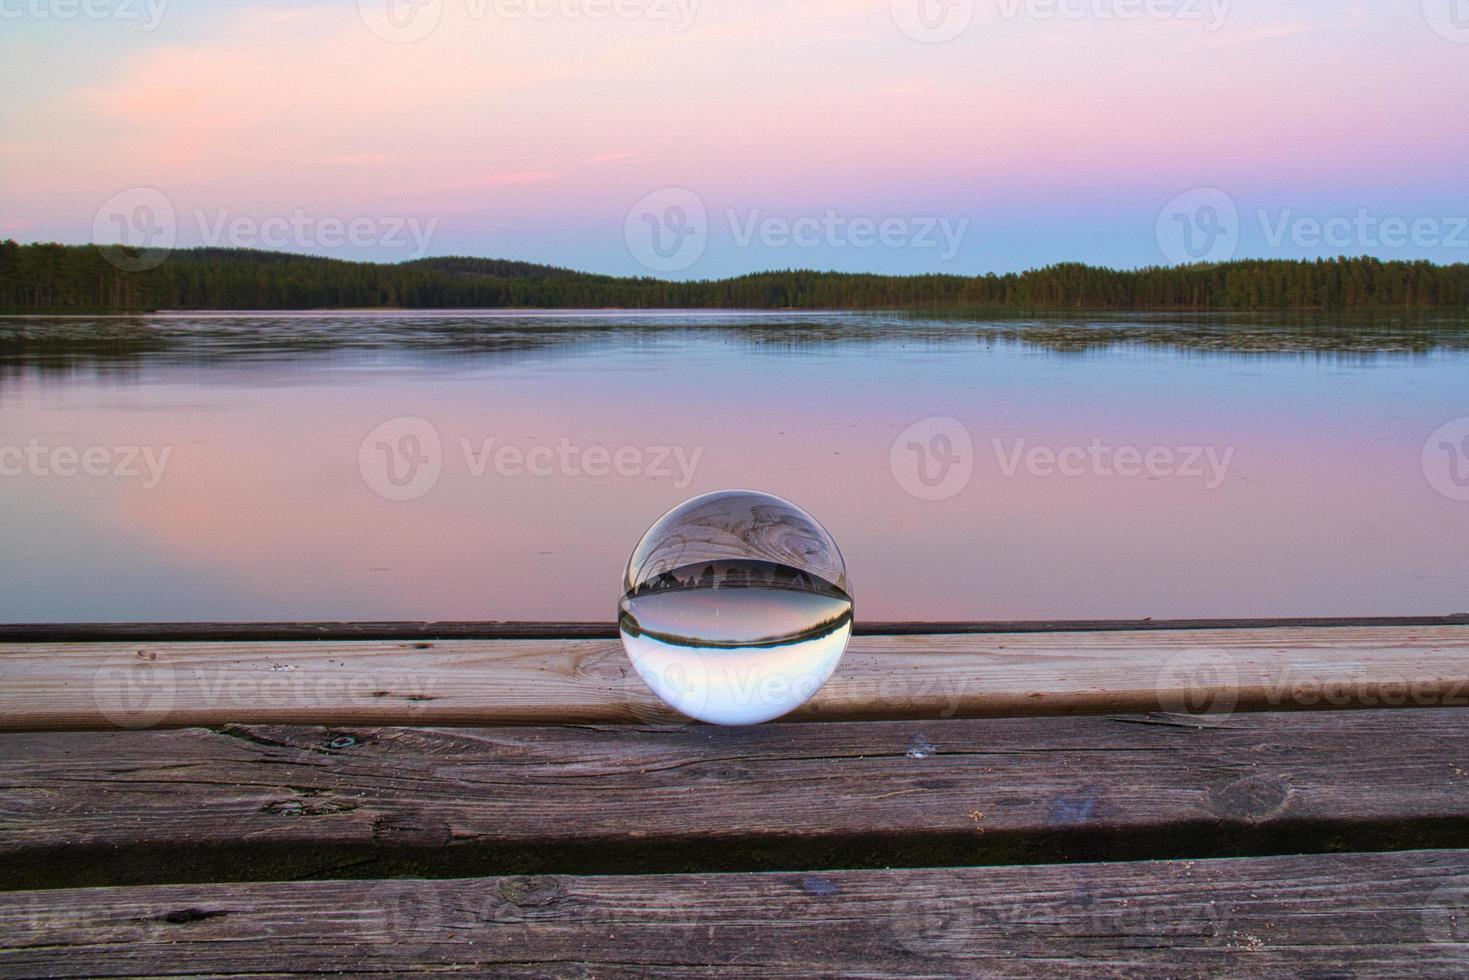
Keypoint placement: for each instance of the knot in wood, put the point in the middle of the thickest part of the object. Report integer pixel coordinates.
(1249, 798)
(533, 891)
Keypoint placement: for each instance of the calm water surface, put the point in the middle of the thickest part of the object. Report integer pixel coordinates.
(501, 466)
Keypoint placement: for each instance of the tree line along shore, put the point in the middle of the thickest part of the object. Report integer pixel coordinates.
(84, 278)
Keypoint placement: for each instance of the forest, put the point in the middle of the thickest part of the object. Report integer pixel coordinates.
(84, 278)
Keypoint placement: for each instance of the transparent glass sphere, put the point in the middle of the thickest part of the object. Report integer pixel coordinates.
(735, 607)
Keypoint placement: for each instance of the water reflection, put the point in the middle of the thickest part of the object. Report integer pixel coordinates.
(114, 345)
(264, 512)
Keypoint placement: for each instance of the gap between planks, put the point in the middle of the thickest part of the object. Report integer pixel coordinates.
(530, 630)
(138, 684)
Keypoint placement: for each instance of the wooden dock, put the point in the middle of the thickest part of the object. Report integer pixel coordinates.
(1171, 799)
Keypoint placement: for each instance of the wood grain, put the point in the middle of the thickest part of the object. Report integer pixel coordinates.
(265, 802)
(55, 686)
(1401, 914)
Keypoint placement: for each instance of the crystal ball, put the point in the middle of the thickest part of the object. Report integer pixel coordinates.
(735, 607)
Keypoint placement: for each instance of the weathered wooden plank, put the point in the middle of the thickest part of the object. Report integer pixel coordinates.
(1402, 914)
(285, 802)
(465, 682)
(500, 630)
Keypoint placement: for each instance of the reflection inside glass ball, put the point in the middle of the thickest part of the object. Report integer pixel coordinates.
(735, 607)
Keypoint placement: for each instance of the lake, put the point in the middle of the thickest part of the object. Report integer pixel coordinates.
(452, 465)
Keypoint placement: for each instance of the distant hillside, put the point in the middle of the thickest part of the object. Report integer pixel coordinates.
(81, 277)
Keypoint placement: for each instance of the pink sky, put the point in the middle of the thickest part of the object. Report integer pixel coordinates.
(1052, 137)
